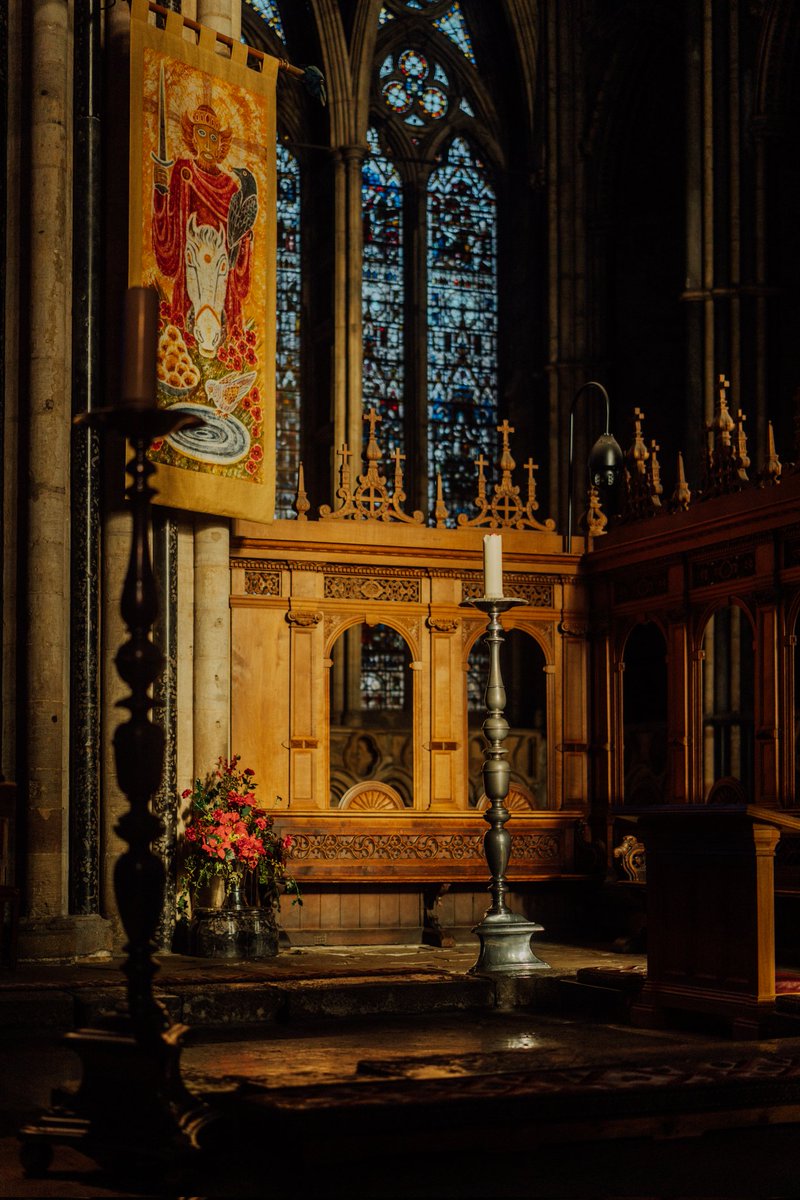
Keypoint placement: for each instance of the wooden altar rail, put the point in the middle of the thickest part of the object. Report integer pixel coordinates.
(376, 877)
(432, 848)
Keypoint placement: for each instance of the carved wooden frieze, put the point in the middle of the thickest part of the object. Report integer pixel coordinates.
(372, 587)
(538, 593)
(542, 848)
(723, 570)
(262, 583)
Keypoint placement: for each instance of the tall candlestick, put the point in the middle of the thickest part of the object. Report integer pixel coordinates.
(493, 565)
(141, 345)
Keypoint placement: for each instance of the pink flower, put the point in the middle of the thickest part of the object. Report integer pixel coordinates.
(287, 841)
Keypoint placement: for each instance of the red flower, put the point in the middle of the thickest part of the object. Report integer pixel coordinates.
(256, 413)
(250, 467)
(186, 793)
(257, 453)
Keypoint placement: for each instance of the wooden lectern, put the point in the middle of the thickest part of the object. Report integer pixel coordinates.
(710, 911)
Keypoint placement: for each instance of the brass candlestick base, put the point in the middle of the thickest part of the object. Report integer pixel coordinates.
(505, 937)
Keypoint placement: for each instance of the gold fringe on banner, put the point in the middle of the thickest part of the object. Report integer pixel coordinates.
(203, 233)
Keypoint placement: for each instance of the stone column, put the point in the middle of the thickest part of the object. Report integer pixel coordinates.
(46, 640)
(212, 639)
(46, 930)
(212, 642)
(12, 502)
(353, 158)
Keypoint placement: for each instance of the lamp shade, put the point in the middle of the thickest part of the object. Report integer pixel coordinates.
(605, 461)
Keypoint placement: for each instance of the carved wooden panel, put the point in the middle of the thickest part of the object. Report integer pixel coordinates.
(262, 583)
(371, 795)
(371, 587)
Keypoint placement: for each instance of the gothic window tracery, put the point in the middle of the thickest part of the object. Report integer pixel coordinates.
(430, 361)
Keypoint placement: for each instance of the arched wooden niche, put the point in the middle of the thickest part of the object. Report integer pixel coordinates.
(522, 664)
(727, 699)
(371, 715)
(644, 716)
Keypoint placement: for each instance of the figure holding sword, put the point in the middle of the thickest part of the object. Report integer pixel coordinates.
(197, 203)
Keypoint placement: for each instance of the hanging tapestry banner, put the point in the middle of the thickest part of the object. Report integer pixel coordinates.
(203, 232)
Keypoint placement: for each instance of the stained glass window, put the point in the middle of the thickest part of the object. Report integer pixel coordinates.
(382, 289)
(384, 17)
(287, 395)
(268, 9)
(462, 323)
(384, 666)
(410, 89)
(477, 677)
(453, 26)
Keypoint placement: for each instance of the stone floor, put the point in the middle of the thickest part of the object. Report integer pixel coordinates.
(344, 1090)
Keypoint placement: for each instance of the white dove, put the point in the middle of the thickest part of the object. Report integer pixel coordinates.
(226, 393)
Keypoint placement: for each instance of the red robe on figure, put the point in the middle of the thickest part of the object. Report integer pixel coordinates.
(207, 194)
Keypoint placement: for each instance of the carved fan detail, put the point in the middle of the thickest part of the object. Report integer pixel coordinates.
(371, 795)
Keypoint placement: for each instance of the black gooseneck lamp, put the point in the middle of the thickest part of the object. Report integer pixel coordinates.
(605, 457)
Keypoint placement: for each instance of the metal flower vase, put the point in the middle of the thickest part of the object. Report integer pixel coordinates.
(235, 929)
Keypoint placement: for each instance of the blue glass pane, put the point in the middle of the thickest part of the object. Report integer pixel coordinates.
(287, 396)
(477, 677)
(268, 9)
(384, 665)
(453, 26)
(382, 294)
(462, 324)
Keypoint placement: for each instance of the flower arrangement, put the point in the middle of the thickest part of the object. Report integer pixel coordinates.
(229, 835)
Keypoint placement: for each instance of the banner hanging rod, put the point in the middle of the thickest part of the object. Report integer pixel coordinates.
(312, 78)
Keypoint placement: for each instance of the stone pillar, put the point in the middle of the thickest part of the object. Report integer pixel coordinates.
(47, 930)
(212, 638)
(12, 501)
(46, 640)
(353, 158)
(212, 642)
(223, 15)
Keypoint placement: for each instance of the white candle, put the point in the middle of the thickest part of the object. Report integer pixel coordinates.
(493, 565)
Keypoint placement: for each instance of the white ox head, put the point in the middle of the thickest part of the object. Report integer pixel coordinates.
(206, 283)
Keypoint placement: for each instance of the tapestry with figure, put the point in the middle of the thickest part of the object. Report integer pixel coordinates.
(202, 232)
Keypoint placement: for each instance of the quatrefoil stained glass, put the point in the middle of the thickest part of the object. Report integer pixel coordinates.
(411, 90)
